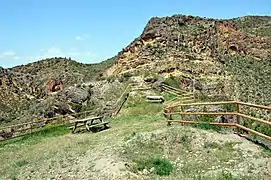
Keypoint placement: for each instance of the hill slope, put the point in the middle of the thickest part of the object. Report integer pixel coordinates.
(34, 90)
(206, 51)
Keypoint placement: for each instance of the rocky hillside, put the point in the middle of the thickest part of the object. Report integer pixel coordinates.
(206, 51)
(47, 87)
(226, 58)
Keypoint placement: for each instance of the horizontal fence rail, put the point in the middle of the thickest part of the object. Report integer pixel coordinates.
(17, 130)
(22, 129)
(169, 111)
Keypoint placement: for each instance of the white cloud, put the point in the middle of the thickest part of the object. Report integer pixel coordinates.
(79, 38)
(82, 38)
(7, 54)
(54, 50)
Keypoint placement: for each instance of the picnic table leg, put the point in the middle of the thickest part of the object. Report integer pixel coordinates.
(105, 125)
(86, 124)
(74, 128)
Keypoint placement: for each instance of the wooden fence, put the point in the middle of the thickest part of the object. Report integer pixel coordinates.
(22, 129)
(179, 109)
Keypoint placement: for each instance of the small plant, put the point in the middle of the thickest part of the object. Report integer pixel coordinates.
(225, 176)
(127, 75)
(172, 81)
(161, 166)
(211, 145)
(13, 178)
(20, 163)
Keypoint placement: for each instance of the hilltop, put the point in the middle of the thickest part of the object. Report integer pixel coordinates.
(229, 57)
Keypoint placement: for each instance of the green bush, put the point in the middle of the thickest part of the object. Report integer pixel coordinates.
(21, 163)
(225, 176)
(162, 167)
(127, 75)
(172, 81)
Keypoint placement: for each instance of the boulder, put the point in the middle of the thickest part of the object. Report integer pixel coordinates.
(158, 85)
(150, 79)
(181, 22)
(149, 35)
(78, 95)
(49, 114)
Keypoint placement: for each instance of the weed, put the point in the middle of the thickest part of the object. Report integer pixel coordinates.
(13, 178)
(185, 140)
(172, 81)
(225, 176)
(161, 166)
(211, 145)
(266, 152)
(20, 163)
(30, 139)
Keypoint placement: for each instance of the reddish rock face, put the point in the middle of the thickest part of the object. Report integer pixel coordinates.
(52, 86)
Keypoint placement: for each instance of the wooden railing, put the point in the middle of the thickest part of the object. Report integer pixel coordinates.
(179, 109)
(181, 95)
(22, 129)
(122, 99)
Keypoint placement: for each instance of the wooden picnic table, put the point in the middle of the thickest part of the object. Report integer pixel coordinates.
(89, 123)
(155, 99)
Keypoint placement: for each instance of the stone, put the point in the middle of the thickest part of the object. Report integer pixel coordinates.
(145, 172)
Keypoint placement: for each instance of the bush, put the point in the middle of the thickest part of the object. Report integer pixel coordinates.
(225, 176)
(162, 167)
(127, 75)
(172, 81)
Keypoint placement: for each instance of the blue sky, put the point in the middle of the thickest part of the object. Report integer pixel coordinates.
(92, 30)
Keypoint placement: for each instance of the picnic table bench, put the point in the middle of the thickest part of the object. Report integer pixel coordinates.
(155, 99)
(89, 123)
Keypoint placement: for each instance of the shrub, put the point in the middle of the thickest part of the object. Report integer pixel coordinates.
(211, 145)
(172, 81)
(20, 163)
(225, 176)
(162, 167)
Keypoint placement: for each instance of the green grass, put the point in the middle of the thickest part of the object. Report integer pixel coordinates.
(49, 131)
(211, 145)
(161, 166)
(20, 163)
(138, 105)
(172, 81)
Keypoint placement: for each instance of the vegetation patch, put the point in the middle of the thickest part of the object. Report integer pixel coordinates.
(20, 163)
(47, 132)
(157, 165)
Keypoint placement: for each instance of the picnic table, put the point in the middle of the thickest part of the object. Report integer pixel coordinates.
(89, 123)
(155, 99)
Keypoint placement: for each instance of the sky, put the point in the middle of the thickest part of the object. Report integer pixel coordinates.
(90, 31)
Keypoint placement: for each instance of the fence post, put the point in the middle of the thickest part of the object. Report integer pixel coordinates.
(237, 117)
(182, 110)
(170, 116)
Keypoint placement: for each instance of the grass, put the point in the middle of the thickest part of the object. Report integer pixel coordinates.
(158, 165)
(211, 145)
(140, 139)
(20, 163)
(48, 132)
